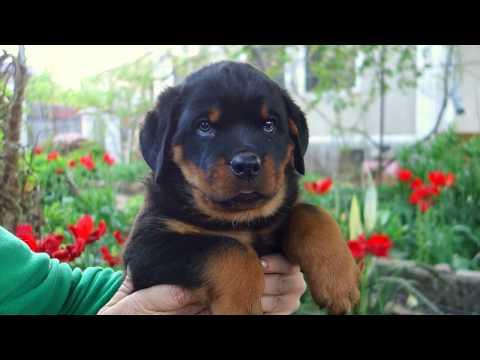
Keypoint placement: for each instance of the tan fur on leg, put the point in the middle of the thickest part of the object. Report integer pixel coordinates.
(315, 242)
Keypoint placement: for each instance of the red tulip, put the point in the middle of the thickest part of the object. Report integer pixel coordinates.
(108, 257)
(98, 232)
(53, 156)
(423, 195)
(23, 228)
(50, 243)
(25, 233)
(437, 178)
(450, 179)
(404, 175)
(414, 198)
(319, 187)
(309, 186)
(379, 245)
(108, 159)
(424, 205)
(37, 150)
(118, 237)
(357, 249)
(87, 162)
(83, 229)
(63, 255)
(324, 186)
(76, 249)
(434, 190)
(416, 183)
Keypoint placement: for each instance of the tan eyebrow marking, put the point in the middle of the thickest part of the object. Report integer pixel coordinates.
(214, 114)
(293, 128)
(264, 112)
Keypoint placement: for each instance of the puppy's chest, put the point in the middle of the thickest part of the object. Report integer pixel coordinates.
(264, 241)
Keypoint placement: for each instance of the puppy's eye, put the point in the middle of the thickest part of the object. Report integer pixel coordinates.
(269, 125)
(204, 126)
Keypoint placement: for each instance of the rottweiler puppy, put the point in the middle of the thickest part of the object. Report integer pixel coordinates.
(226, 149)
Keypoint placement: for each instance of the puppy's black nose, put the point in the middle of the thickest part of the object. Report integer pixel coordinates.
(246, 165)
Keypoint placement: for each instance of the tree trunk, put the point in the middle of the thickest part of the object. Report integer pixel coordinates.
(10, 210)
(382, 113)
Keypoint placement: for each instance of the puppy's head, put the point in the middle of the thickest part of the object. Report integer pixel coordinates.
(233, 133)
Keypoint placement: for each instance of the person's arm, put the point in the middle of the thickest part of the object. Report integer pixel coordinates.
(32, 283)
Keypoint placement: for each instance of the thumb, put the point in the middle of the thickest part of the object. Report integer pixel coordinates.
(125, 289)
(162, 298)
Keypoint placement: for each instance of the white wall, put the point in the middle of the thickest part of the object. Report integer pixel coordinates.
(399, 111)
(470, 89)
(410, 114)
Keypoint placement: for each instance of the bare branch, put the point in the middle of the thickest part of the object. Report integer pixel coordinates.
(447, 74)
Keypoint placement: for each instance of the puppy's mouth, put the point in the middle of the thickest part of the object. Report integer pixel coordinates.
(243, 201)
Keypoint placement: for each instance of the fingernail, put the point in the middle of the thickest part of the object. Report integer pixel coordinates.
(264, 264)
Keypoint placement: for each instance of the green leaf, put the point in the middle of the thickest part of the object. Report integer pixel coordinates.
(383, 217)
(467, 231)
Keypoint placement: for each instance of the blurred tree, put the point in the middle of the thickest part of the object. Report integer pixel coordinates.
(43, 89)
(126, 93)
(269, 58)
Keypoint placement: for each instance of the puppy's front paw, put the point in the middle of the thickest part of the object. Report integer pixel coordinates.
(334, 285)
(315, 241)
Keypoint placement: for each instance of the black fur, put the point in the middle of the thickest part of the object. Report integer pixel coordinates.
(162, 257)
(158, 130)
(153, 254)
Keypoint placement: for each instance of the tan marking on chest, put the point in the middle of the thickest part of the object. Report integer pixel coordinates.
(244, 237)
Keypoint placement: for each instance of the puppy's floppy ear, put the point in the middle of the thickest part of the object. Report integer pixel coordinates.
(157, 131)
(297, 125)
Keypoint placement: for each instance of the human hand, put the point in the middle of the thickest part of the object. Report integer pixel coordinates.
(156, 300)
(284, 285)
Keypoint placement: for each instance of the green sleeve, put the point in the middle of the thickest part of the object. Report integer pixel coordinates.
(33, 283)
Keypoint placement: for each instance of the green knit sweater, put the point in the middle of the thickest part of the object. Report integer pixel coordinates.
(33, 283)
